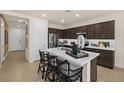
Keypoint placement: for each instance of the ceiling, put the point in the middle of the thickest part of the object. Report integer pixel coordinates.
(16, 22)
(55, 16)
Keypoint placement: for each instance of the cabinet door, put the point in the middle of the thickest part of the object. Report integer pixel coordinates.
(60, 33)
(68, 32)
(90, 32)
(99, 31)
(109, 59)
(104, 30)
(73, 33)
(64, 34)
(80, 29)
(101, 60)
(106, 58)
(109, 30)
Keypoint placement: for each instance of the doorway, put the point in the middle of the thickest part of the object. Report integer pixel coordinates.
(15, 37)
(17, 40)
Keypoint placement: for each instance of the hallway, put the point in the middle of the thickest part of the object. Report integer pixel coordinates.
(17, 69)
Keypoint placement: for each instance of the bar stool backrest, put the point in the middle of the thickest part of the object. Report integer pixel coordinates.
(43, 56)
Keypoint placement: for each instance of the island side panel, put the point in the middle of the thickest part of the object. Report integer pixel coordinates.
(89, 72)
(86, 73)
(93, 72)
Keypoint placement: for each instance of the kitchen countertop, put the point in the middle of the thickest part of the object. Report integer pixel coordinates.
(78, 62)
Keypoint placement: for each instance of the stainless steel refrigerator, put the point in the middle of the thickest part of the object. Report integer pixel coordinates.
(52, 40)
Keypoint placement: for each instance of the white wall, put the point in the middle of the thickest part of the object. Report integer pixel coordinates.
(38, 37)
(16, 38)
(1, 40)
(119, 34)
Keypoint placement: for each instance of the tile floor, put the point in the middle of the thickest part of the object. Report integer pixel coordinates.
(17, 69)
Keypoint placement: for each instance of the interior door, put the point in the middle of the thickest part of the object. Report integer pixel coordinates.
(17, 39)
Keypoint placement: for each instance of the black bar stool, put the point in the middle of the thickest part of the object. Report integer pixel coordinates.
(43, 63)
(68, 72)
(51, 71)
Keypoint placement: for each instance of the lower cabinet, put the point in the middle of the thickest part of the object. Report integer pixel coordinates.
(106, 57)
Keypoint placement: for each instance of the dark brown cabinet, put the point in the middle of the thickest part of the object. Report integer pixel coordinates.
(89, 29)
(104, 30)
(66, 34)
(109, 29)
(70, 33)
(60, 34)
(106, 57)
(99, 31)
(56, 31)
(80, 29)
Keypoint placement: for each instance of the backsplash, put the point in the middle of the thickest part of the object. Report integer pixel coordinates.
(95, 43)
(102, 43)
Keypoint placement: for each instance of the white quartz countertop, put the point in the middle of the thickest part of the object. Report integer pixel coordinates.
(78, 62)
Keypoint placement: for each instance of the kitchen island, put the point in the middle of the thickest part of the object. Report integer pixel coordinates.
(80, 62)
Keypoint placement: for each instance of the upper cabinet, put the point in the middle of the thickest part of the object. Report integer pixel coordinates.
(60, 33)
(70, 33)
(56, 31)
(110, 29)
(99, 31)
(104, 30)
(89, 29)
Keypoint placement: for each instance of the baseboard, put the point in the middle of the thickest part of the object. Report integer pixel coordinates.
(36, 60)
(6, 55)
(4, 58)
(16, 50)
(119, 67)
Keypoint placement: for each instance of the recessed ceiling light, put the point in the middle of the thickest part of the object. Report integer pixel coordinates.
(20, 20)
(43, 15)
(77, 15)
(62, 20)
